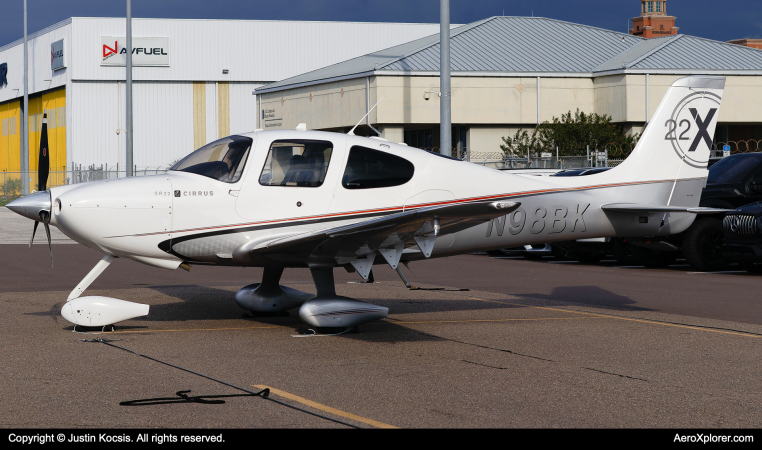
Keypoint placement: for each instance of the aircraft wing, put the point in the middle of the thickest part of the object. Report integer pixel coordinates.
(392, 232)
(644, 208)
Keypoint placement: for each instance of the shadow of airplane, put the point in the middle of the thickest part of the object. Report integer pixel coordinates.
(592, 296)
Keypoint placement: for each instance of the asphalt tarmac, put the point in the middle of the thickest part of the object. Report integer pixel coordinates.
(529, 344)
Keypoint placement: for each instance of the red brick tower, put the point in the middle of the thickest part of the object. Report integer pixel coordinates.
(653, 20)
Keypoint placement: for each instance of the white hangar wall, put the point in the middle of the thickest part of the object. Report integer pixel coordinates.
(189, 103)
(251, 50)
(166, 120)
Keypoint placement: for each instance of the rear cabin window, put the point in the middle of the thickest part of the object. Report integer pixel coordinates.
(296, 163)
(370, 169)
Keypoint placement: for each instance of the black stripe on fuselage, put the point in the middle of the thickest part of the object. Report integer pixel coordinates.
(167, 245)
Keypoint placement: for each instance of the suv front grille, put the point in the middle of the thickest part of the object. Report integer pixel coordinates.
(739, 224)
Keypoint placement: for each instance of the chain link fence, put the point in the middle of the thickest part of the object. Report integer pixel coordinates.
(11, 182)
(498, 160)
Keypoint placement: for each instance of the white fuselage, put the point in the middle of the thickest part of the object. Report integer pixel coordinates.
(177, 217)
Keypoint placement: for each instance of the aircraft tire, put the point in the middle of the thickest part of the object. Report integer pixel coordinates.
(702, 245)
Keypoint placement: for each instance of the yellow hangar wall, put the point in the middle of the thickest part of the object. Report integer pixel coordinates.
(10, 140)
(54, 103)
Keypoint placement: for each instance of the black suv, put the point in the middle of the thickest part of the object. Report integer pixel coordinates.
(733, 181)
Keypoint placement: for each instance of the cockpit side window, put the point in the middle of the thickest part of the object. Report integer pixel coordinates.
(370, 169)
(222, 160)
(296, 162)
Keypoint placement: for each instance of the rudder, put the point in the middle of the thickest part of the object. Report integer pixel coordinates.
(676, 143)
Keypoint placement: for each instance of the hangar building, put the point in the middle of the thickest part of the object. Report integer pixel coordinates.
(515, 72)
(192, 82)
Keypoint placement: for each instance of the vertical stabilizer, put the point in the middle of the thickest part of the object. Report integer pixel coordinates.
(676, 143)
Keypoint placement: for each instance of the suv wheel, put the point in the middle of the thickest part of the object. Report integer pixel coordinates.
(753, 267)
(702, 245)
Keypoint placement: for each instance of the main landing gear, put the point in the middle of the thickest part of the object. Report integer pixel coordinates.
(324, 310)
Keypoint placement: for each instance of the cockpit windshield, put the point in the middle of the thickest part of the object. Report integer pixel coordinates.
(222, 160)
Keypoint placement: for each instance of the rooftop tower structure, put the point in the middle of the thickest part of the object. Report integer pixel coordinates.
(653, 20)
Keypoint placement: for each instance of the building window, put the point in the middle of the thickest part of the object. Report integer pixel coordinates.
(658, 6)
(650, 6)
(419, 138)
(296, 163)
(644, 7)
(369, 169)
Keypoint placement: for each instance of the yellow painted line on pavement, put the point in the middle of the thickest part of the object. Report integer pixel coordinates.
(372, 323)
(325, 408)
(629, 319)
(482, 320)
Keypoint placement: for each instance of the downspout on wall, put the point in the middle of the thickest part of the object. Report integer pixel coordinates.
(367, 106)
(538, 101)
(648, 110)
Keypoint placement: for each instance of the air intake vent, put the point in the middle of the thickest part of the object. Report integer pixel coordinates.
(739, 224)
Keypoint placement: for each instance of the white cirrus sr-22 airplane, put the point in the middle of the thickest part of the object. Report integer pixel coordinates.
(298, 198)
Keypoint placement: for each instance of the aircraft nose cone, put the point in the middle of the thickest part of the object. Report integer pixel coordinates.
(30, 206)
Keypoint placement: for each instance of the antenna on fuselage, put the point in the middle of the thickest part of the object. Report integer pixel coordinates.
(351, 132)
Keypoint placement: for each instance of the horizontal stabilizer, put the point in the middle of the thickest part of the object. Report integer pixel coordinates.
(644, 208)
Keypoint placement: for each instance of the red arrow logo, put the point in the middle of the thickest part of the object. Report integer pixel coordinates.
(111, 51)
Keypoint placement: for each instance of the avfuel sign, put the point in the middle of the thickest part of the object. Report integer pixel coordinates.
(146, 51)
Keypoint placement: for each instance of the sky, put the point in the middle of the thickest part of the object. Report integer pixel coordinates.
(719, 20)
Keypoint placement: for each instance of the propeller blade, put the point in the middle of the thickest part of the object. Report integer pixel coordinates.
(33, 232)
(45, 216)
(43, 168)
